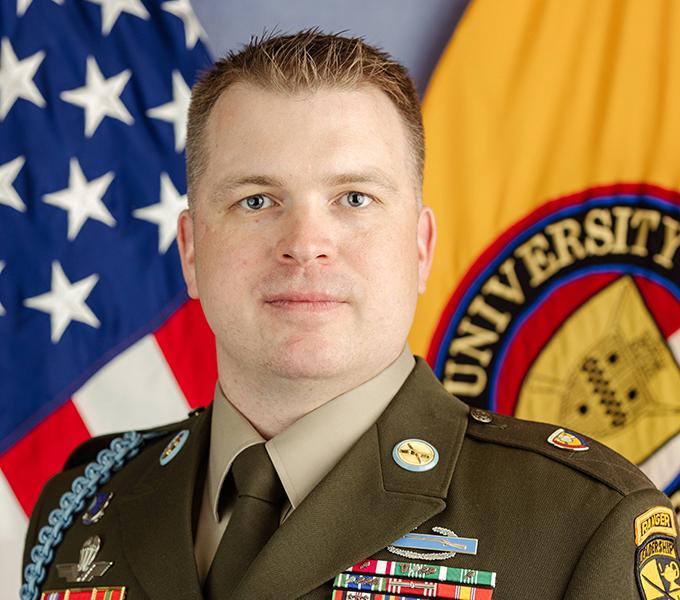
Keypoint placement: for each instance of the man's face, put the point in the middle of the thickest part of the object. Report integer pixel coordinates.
(306, 246)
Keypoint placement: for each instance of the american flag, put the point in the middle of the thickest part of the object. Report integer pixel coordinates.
(98, 334)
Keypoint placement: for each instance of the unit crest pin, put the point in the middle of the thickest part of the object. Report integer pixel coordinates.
(95, 510)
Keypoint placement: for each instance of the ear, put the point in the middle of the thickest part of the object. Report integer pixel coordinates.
(427, 238)
(185, 241)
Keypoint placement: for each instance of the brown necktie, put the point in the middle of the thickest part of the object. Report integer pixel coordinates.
(255, 517)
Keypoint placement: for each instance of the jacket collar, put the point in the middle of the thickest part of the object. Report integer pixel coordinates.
(315, 434)
(367, 501)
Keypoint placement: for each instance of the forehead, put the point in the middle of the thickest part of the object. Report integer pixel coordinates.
(305, 133)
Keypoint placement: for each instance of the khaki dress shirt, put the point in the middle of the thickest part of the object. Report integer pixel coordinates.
(302, 454)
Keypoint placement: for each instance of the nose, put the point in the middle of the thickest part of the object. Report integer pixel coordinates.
(307, 238)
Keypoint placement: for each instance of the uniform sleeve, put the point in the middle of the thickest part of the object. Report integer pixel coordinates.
(619, 563)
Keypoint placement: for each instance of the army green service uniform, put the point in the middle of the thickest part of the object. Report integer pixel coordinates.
(551, 523)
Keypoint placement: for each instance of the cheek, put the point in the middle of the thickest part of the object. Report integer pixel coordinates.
(390, 263)
(225, 262)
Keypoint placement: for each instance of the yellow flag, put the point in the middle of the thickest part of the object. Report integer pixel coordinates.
(553, 166)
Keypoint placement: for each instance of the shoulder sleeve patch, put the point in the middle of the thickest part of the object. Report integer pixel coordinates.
(657, 569)
(658, 519)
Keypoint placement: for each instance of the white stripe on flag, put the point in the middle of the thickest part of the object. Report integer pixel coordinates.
(663, 466)
(136, 390)
(13, 525)
(674, 343)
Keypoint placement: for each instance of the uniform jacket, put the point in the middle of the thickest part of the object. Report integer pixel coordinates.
(551, 523)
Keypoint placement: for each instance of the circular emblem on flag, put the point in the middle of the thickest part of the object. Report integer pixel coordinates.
(573, 317)
(174, 446)
(415, 455)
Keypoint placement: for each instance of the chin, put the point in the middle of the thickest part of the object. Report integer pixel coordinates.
(309, 365)
(311, 358)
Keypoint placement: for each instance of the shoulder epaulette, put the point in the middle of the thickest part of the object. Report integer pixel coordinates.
(599, 462)
(88, 450)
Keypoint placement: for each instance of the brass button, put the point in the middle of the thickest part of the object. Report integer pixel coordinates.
(481, 415)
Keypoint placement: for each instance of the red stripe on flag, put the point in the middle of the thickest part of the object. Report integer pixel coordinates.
(188, 345)
(662, 304)
(41, 453)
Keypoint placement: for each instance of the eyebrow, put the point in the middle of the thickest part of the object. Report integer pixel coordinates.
(370, 176)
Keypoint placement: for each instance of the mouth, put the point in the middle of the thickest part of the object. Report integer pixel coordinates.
(304, 302)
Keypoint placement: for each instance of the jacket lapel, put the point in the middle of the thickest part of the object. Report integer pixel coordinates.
(367, 501)
(156, 518)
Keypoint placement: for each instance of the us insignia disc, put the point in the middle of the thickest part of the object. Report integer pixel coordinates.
(567, 440)
(174, 446)
(415, 455)
(657, 569)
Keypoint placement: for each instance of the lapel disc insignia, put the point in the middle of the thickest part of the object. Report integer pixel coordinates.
(415, 455)
(174, 446)
(658, 569)
(97, 507)
(567, 441)
(658, 519)
(424, 546)
(86, 569)
(98, 593)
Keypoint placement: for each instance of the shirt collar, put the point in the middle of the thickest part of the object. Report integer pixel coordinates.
(325, 433)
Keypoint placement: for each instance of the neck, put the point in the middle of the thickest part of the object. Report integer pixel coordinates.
(272, 403)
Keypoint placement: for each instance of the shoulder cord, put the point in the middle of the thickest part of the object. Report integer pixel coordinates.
(84, 487)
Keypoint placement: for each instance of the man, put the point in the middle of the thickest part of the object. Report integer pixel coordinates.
(328, 447)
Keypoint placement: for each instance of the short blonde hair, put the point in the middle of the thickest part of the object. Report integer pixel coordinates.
(307, 60)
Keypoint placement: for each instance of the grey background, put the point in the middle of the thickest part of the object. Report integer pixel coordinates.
(415, 32)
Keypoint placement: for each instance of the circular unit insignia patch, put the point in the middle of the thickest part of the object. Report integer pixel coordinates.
(174, 446)
(415, 455)
(572, 316)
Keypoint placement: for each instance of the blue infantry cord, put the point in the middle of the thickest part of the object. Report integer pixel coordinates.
(83, 488)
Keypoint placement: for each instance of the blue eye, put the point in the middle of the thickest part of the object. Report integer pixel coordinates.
(356, 199)
(256, 202)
